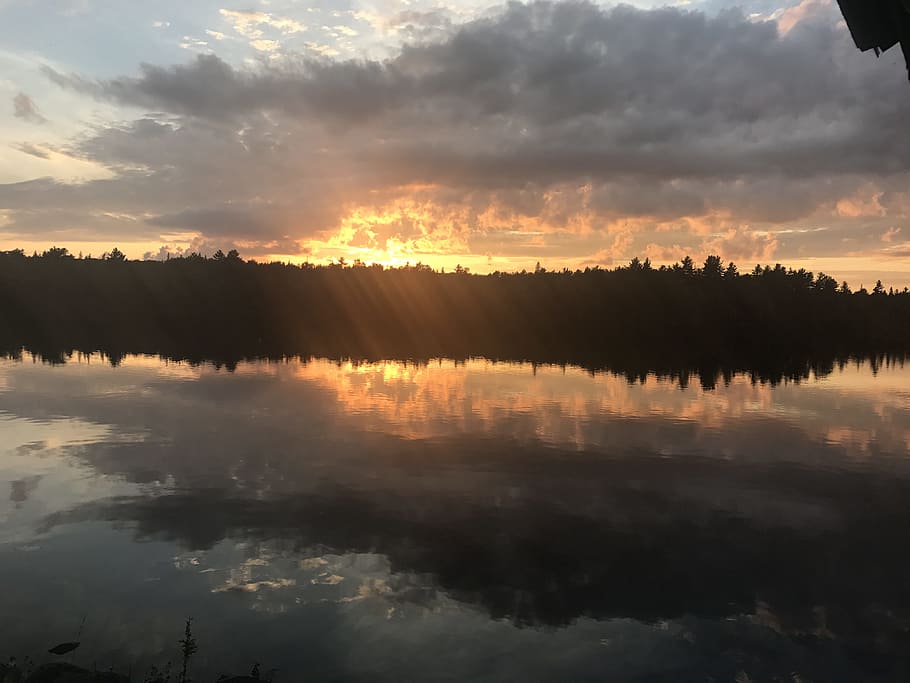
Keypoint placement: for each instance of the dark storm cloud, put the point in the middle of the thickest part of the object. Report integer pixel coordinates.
(211, 88)
(224, 221)
(581, 90)
(662, 114)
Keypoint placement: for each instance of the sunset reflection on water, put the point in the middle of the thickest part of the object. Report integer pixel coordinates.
(383, 509)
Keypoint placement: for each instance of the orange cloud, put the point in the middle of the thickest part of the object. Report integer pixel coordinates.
(742, 245)
(790, 17)
(890, 234)
(865, 202)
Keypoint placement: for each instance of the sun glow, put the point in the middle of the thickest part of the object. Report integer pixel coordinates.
(414, 227)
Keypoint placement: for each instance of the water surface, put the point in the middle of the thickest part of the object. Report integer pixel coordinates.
(455, 521)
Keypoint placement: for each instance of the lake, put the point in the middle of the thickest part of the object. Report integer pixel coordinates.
(392, 521)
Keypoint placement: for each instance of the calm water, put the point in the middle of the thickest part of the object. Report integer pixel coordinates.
(456, 521)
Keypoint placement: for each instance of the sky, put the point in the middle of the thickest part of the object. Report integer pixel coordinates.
(494, 136)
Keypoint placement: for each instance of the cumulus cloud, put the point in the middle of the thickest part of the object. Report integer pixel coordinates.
(24, 107)
(672, 127)
(662, 91)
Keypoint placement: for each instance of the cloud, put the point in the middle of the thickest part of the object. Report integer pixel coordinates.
(414, 26)
(566, 120)
(898, 251)
(322, 49)
(228, 221)
(195, 44)
(247, 22)
(645, 92)
(33, 150)
(264, 45)
(24, 107)
(163, 254)
(341, 29)
(866, 201)
(742, 245)
(667, 253)
(890, 234)
(806, 10)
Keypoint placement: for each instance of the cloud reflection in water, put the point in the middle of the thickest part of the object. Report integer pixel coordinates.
(472, 499)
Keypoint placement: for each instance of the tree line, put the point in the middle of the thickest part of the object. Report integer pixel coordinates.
(225, 307)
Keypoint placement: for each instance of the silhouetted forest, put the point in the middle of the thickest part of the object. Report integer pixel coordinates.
(226, 308)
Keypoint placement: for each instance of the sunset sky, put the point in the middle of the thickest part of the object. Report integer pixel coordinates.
(494, 136)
